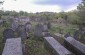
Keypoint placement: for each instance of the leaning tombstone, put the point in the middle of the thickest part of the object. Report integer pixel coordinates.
(67, 35)
(28, 27)
(75, 46)
(22, 32)
(38, 30)
(8, 33)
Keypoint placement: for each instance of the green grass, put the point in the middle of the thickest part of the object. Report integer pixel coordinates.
(64, 29)
(35, 47)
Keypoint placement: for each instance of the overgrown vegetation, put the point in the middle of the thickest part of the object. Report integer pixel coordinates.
(1, 38)
(35, 46)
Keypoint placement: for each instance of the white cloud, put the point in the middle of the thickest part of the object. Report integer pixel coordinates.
(27, 5)
(73, 7)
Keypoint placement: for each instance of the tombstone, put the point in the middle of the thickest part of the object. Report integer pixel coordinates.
(28, 27)
(22, 32)
(38, 30)
(1, 22)
(8, 33)
(74, 46)
(54, 47)
(14, 26)
(67, 35)
(76, 35)
(45, 27)
(49, 25)
(13, 46)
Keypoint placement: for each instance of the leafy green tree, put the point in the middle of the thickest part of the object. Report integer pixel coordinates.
(21, 13)
(81, 12)
(73, 18)
(13, 13)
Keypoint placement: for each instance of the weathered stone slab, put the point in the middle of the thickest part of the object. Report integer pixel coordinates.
(55, 47)
(8, 33)
(13, 46)
(75, 46)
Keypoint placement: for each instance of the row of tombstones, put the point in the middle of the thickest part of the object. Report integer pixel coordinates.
(9, 37)
(17, 43)
(21, 31)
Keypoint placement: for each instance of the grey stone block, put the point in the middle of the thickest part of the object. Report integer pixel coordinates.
(75, 46)
(13, 46)
(55, 47)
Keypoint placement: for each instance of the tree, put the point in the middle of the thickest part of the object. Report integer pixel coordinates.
(13, 13)
(73, 18)
(81, 12)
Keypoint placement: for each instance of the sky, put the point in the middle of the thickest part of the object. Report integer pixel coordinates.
(40, 5)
